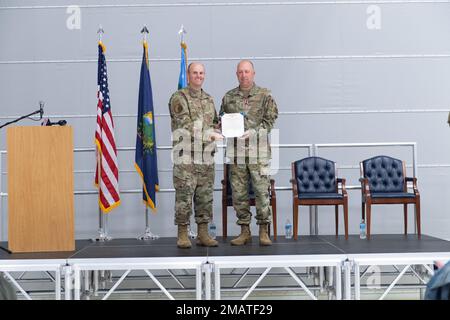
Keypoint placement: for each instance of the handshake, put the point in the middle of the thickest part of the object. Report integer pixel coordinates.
(216, 136)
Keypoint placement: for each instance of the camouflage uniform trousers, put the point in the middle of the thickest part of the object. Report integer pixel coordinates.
(193, 183)
(239, 179)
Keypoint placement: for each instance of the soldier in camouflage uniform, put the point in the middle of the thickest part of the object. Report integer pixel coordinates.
(193, 117)
(251, 160)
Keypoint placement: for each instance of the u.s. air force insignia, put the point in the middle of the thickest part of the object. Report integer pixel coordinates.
(177, 108)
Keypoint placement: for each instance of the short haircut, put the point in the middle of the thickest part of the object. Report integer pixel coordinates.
(190, 64)
(245, 60)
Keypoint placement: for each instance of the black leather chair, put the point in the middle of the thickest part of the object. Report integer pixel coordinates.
(383, 181)
(227, 201)
(314, 183)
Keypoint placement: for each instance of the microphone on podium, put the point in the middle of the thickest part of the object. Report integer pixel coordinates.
(41, 109)
(48, 123)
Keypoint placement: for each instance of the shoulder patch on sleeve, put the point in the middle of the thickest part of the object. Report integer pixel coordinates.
(177, 108)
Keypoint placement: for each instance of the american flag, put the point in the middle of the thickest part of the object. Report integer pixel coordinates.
(106, 145)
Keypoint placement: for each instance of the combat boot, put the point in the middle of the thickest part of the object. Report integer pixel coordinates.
(244, 237)
(183, 239)
(264, 239)
(203, 238)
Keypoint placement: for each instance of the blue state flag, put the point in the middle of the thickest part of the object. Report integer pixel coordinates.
(145, 160)
(182, 80)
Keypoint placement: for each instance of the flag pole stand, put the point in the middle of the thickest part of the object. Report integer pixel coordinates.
(147, 235)
(102, 228)
(102, 218)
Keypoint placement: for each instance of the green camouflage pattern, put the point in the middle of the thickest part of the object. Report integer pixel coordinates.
(259, 108)
(239, 179)
(260, 113)
(194, 112)
(193, 183)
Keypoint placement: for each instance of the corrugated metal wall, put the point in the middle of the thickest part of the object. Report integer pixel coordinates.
(341, 72)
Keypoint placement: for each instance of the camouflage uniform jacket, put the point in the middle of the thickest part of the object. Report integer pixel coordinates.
(191, 109)
(259, 108)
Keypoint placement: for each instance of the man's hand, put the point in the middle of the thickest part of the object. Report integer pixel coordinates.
(214, 136)
(247, 134)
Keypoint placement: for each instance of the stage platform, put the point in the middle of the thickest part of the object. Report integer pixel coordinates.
(343, 257)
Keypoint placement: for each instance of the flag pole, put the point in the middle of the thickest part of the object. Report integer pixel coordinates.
(102, 218)
(182, 32)
(147, 235)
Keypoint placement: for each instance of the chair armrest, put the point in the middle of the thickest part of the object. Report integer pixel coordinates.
(414, 181)
(294, 188)
(365, 186)
(342, 182)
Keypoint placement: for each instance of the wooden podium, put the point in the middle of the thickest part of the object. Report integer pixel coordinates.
(40, 189)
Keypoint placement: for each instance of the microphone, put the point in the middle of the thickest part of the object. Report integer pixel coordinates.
(41, 109)
(61, 122)
(48, 123)
(44, 123)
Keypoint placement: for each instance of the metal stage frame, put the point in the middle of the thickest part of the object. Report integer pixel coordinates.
(287, 262)
(130, 264)
(46, 265)
(407, 260)
(209, 271)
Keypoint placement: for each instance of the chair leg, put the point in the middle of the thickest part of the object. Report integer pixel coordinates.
(405, 218)
(363, 210)
(418, 217)
(368, 219)
(224, 221)
(295, 220)
(336, 218)
(346, 218)
(274, 219)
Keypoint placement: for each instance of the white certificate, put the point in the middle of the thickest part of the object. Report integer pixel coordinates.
(232, 125)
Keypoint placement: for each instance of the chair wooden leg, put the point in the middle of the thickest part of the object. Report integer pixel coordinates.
(346, 218)
(336, 218)
(295, 220)
(224, 220)
(274, 219)
(368, 219)
(418, 217)
(405, 217)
